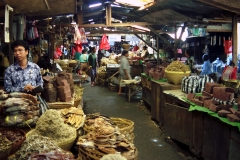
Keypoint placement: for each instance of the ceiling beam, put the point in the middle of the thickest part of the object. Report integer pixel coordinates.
(114, 32)
(117, 24)
(146, 42)
(160, 36)
(220, 5)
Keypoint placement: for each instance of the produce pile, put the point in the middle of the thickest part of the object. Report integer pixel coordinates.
(19, 109)
(103, 137)
(73, 116)
(53, 155)
(177, 66)
(52, 125)
(105, 61)
(34, 144)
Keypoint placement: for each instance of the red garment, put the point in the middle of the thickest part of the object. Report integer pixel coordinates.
(78, 48)
(232, 75)
(135, 48)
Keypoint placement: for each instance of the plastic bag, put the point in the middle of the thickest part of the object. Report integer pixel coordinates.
(104, 44)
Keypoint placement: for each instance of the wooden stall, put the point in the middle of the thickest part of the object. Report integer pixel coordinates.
(207, 136)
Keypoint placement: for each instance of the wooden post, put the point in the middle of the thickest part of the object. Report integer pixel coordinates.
(108, 14)
(234, 38)
(10, 52)
(157, 41)
(79, 19)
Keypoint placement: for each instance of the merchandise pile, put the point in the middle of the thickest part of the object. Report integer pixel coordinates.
(218, 99)
(19, 109)
(103, 137)
(177, 66)
(156, 72)
(110, 60)
(102, 75)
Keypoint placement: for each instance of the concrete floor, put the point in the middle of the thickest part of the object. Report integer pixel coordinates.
(150, 141)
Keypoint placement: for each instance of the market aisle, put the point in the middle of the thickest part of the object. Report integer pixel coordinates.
(148, 139)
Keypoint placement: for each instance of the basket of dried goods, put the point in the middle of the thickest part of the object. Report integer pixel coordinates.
(5, 147)
(176, 71)
(16, 136)
(125, 126)
(77, 100)
(78, 90)
(73, 116)
(72, 63)
(52, 125)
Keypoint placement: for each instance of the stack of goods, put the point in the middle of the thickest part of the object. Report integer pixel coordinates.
(65, 86)
(78, 92)
(102, 75)
(50, 92)
(52, 125)
(157, 73)
(5, 147)
(103, 137)
(105, 61)
(40, 147)
(175, 71)
(62, 63)
(20, 110)
(148, 67)
(73, 116)
(217, 99)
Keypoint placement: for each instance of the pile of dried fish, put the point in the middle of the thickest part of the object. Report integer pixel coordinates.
(51, 124)
(34, 144)
(3, 95)
(20, 109)
(177, 66)
(104, 137)
(73, 116)
(52, 155)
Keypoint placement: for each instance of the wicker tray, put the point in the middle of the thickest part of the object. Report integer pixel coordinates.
(65, 144)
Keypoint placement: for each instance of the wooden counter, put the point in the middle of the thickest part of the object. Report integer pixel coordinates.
(207, 136)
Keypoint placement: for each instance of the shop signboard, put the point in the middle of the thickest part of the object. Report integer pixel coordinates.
(114, 38)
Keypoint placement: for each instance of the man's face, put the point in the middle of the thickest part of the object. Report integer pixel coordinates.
(20, 53)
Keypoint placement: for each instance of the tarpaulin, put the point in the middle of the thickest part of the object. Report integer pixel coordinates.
(104, 44)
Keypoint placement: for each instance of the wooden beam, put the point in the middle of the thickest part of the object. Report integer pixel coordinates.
(159, 36)
(221, 6)
(234, 39)
(146, 43)
(47, 5)
(114, 32)
(116, 24)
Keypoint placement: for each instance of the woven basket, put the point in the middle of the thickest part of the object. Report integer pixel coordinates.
(125, 126)
(176, 77)
(65, 144)
(90, 154)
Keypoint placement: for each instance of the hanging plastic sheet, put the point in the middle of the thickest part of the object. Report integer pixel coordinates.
(228, 46)
(104, 44)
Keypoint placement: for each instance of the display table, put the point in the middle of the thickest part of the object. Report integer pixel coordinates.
(133, 87)
(61, 105)
(207, 135)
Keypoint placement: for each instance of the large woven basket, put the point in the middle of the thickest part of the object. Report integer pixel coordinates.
(90, 154)
(125, 126)
(65, 144)
(176, 77)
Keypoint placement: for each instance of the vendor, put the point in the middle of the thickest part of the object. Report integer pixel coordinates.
(190, 59)
(207, 66)
(144, 53)
(23, 75)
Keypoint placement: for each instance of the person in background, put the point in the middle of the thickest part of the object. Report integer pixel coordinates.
(22, 75)
(207, 66)
(124, 70)
(190, 59)
(93, 64)
(135, 48)
(99, 57)
(144, 53)
(83, 63)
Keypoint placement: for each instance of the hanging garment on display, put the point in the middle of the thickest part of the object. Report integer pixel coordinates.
(6, 23)
(104, 44)
(83, 35)
(229, 72)
(78, 48)
(77, 35)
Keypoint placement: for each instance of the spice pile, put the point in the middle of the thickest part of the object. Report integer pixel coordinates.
(34, 144)
(19, 109)
(104, 138)
(51, 124)
(73, 116)
(177, 66)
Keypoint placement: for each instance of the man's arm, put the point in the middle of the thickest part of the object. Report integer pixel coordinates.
(8, 86)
